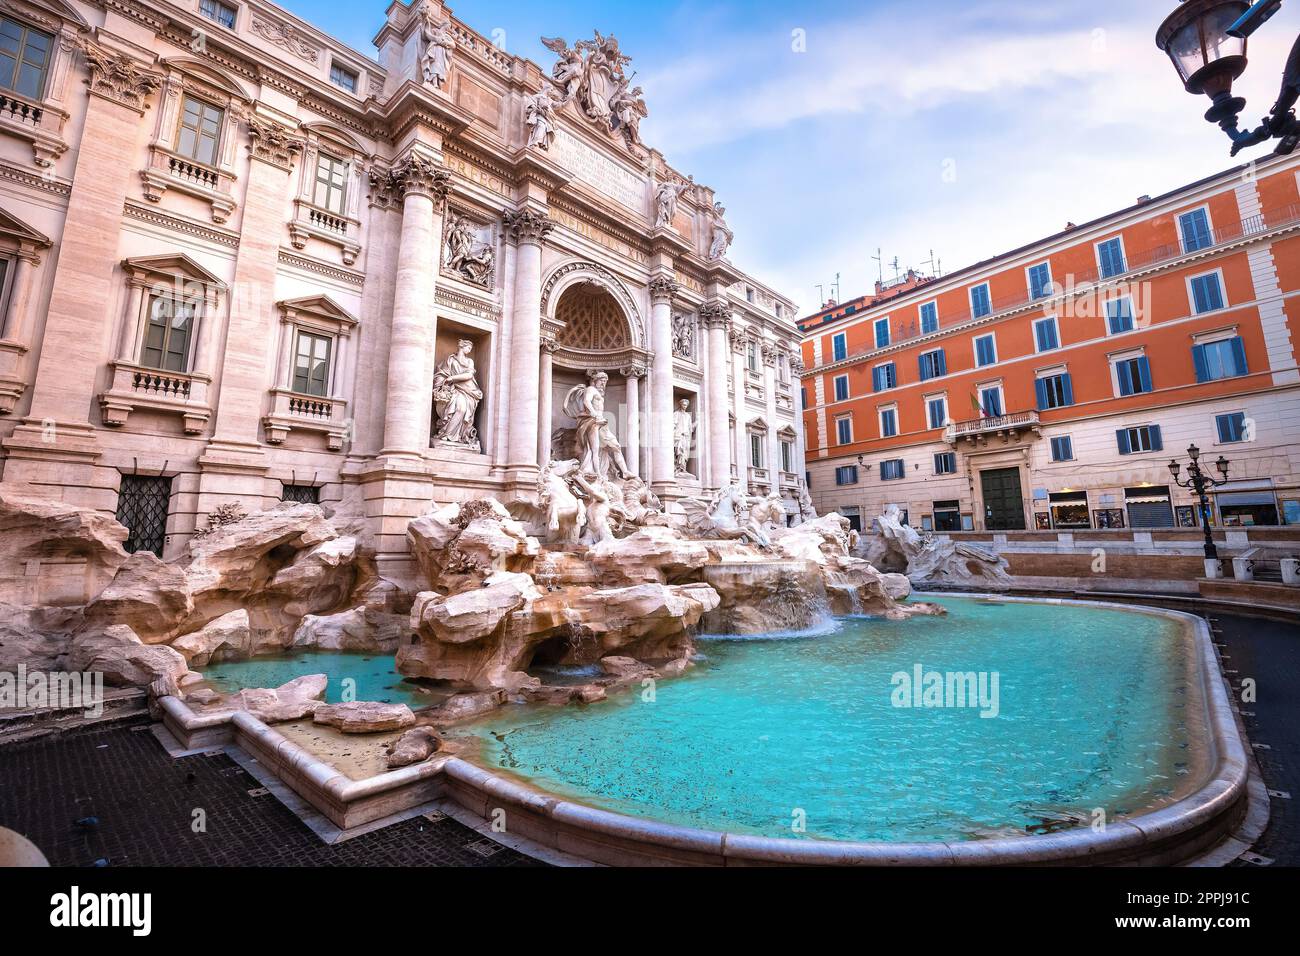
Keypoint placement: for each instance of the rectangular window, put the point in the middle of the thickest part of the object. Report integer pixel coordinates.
(300, 494)
(882, 333)
(142, 504)
(937, 412)
(1119, 316)
(1133, 375)
(840, 347)
(1143, 438)
(929, 318)
(841, 388)
(1207, 293)
(1232, 427)
(756, 450)
(200, 130)
(980, 304)
(24, 58)
(1054, 391)
(803, 397)
(848, 475)
(167, 338)
(986, 351)
(844, 430)
(331, 187)
(1110, 258)
(218, 12)
(1194, 228)
(1046, 336)
(891, 470)
(311, 370)
(991, 402)
(787, 457)
(1040, 281)
(1063, 449)
(883, 377)
(932, 364)
(341, 76)
(751, 356)
(945, 463)
(1225, 358)
(888, 423)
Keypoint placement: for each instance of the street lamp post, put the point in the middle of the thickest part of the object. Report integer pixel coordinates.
(1206, 40)
(1200, 483)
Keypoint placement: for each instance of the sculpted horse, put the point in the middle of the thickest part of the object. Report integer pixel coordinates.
(721, 517)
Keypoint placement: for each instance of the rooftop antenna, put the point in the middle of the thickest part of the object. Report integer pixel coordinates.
(931, 264)
(821, 293)
(880, 266)
(895, 265)
(837, 287)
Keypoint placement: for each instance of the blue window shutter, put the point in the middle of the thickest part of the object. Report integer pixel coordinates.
(1239, 356)
(1067, 387)
(1122, 372)
(1040, 387)
(1156, 443)
(1202, 366)
(875, 379)
(1144, 373)
(1121, 437)
(1199, 302)
(1224, 423)
(941, 362)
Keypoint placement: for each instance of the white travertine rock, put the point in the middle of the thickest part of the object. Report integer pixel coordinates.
(474, 538)
(229, 637)
(650, 555)
(415, 746)
(938, 560)
(123, 659)
(295, 700)
(36, 529)
(150, 596)
(360, 629)
(364, 717)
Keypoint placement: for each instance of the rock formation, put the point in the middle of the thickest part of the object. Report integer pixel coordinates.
(364, 717)
(928, 559)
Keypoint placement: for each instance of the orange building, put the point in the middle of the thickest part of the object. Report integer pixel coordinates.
(1050, 387)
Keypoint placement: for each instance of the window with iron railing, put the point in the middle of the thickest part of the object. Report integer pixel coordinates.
(200, 130)
(24, 58)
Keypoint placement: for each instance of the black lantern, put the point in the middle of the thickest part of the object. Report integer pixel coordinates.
(1206, 40)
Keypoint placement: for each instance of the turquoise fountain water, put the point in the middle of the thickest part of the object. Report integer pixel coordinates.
(375, 676)
(773, 731)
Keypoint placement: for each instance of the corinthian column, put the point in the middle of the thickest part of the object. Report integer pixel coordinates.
(544, 411)
(632, 442)
(716, 317)
(662, 291)
(528, 231)
(423, 186)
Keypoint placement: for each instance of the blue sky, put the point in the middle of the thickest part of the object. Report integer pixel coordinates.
(966, 128)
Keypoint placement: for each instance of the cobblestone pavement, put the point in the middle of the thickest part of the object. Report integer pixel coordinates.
(144, 803)
(1269, 652)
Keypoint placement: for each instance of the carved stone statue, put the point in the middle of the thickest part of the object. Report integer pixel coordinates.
(931, 559)
(592, 73)
(684, 426)
(539, 117)
(467, 255)
(628, 110)
(666, 197)
(439, 42)
(807, 510)
(456, 396)
(599, 450)
(722, 236)
(684, 336)
(723, 516)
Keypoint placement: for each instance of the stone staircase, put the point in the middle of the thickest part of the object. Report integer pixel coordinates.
(120, 704)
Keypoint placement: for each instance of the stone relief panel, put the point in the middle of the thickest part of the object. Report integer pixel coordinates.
(470, 251)
(684, 336)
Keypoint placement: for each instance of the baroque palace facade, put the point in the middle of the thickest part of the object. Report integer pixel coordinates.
(243, 263)
(1050, 387)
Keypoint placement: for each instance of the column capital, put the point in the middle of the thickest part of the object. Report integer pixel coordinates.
(796, 364)
(770, 353)
(663, 288)
(272, 142)
(715, 315)
(633, 371)
(414, 174)
(550, 346)
(119, 77)
(739, 339)
(527, 226)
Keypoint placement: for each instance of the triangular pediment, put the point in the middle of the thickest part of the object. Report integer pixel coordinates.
(11, 225)
(319, 305)
(173, 264)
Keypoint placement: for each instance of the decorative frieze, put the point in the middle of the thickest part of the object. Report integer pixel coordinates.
(285, 37)
(118, 77)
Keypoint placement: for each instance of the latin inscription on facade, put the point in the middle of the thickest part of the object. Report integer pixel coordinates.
(599, 172)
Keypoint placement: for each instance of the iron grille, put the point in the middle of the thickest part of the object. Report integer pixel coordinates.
(301, 494)
(142, 502)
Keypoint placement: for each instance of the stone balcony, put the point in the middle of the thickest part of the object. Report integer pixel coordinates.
(135, 387)
(41, 126)
(170, 170)
(292, 411)
(312, 222)
(1008, 428)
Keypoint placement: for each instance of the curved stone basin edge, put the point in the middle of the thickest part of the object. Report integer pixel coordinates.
(1167, 835)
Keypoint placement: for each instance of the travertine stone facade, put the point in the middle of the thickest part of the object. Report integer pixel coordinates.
(236, 254)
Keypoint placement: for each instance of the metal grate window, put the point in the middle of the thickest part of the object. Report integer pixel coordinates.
(301, 494)
(142, 507)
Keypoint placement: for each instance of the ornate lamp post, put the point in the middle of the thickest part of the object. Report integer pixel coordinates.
(1200, 483)
(1206, 40)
